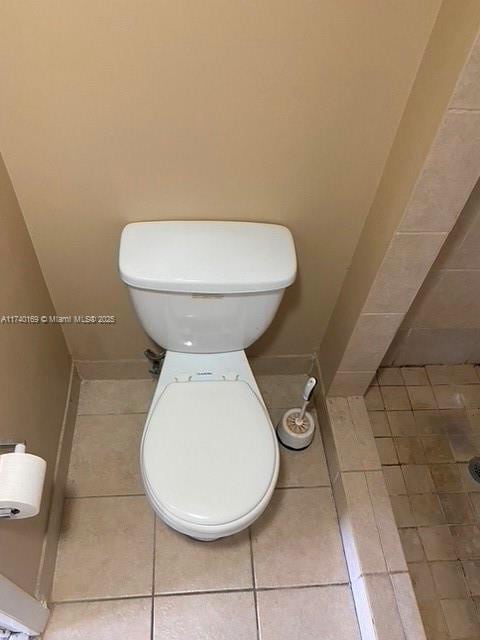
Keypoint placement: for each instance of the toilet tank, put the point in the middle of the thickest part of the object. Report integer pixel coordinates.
(206, 286)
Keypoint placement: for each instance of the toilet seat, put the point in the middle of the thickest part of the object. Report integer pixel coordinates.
(209, 456)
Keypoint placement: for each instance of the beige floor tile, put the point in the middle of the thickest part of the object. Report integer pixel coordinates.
(394, 480)
(297, 540)
(475, 502)
(107, 620)
(373, 399)
(386, 451)
(421, 398)
(379, 423)
(115, 396)
(418, 478)
(382, 608)
(464, 446)
(385, 521)
(434, 621)
(412, 545)
(422, 581)
(407, 606)
(307, 468)
(389, 377)
(471, 395)
(354, 441)
(402, 423)
(467, 541)
(446, 478)
(438, 543)
(427, 509)
(439, 374)
(436, 449)
(360, 533)
(471, 570)
(473, 416)
(105, 549)
(464, 374)
(447, 397)
(414, 376)
(395, 398)
(282, 390)
(457, 508)
(449, 579)
(402, 511)
(104, 458)
(307, 614)
(184, 565)
(428, 422)
(208, 616)
(410, 450)
(455, 421)
(364, 441)
(461, 618)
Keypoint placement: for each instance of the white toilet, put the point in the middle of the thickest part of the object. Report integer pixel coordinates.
(205, 291)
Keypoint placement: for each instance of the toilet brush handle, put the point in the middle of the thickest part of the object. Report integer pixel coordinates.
(301, 415)
(307, 394)
(308, 389)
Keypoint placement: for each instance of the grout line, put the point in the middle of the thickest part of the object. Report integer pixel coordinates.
(145, 596)
(309, 486)
(114, 413)
(142, 495)
(304, 586)
(152, 613)
(255, 600)
(463, 110)
(116, 495)
(204, 592)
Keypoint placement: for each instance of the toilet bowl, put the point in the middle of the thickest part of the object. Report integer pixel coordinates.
(209, 456)
(205, 291)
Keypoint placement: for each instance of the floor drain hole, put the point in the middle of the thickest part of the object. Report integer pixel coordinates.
(474, 468)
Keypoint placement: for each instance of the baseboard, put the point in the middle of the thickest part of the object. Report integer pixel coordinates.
(49, 554)
(138, 369)
(19, 611)
(281, 365)
(113, 369)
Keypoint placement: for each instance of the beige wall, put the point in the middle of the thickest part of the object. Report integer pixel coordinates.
(443, 324)
(34, 374)
(276, 111)
(399, 190)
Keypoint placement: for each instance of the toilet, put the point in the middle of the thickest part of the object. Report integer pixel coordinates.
(205, 291)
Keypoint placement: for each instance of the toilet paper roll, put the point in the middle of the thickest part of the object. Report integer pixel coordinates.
(21, 484)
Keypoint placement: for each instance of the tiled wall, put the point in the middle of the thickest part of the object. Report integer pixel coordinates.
(420, 197)
(443, 324)
(426, 427)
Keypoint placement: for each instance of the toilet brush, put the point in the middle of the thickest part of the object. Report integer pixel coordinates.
(297, 427)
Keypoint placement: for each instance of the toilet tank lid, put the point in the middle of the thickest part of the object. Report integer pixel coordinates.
(207, 256)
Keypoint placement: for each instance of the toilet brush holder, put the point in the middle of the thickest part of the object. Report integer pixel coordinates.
(294, 433)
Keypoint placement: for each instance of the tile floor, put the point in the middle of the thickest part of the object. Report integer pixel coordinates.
(121, 572)
(426, 422)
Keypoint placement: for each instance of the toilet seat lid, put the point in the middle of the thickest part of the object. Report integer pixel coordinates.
(209, 452)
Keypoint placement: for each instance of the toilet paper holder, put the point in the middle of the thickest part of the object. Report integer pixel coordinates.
(10, 445)
(8, 512)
